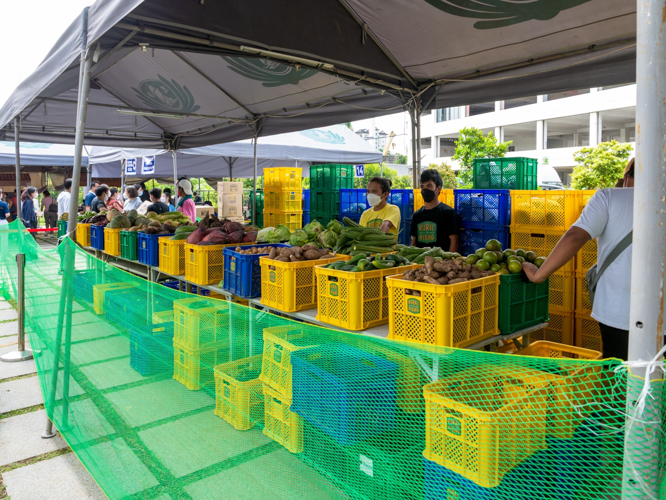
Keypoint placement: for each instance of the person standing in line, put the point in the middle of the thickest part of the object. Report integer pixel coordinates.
(185, 202)
(143, 194)
(381, 214)
(608, 217)
(133, 201)
(50, 209)
(101, 197)
(197, 198)
(4, 214)
(13, 209)
(64, 197)
(159, 207)
(167, 199)
(28, 214)
(114, 203)
(435, 224)
(90, 196)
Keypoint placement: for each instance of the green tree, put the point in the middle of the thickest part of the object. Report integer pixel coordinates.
(400, 159)
(374, 170)
(449, 178)
(601, 166)
(349, 126)
(472, 144)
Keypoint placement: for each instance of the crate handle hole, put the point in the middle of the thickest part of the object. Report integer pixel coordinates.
(476, 290)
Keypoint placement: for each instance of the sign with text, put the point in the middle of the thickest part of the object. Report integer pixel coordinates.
(359, 170)
(130, 166)
(148, 165)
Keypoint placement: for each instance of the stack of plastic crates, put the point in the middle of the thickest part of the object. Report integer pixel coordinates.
(129, 307)
(283, 197)
(201, 340)
(483, 214)
(83, 284)
(326, 182)
(305, 205)
(259, 219)
(445, 196)
(151, 348)
(353, 203)
(505, 173)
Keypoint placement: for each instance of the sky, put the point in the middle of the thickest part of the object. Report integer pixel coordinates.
(398, 123)
(29, 29)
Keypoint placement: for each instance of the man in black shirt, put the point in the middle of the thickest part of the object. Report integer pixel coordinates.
(434, 224)
(101, 197)
(158, 207)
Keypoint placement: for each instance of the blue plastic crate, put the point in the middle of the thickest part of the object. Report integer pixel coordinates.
(97, 237)
(355, 218)
(353, 203)
(151, 348)
(242, 272)
(404, 238)
(404, 200)
(83, 284)
(305, 205)
(149, 248)
(306, 218)
(474, 236)
(484, 206)
(346, 392)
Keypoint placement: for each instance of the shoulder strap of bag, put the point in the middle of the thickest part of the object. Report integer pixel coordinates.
(619, 248)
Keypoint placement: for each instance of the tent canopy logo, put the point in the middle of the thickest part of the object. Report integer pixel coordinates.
(271, 73)
(503, 13)
(166, 95)
(325, 136)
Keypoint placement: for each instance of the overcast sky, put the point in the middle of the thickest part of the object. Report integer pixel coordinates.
(31, 27)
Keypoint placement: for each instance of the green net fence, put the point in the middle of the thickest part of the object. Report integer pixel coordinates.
(166, 395)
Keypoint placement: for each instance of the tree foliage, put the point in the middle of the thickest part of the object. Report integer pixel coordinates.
(601, 166)
(374, 170)
(400, 159)
(472, 144)
(449, 178)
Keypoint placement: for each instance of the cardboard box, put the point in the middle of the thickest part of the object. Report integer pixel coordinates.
(231, 200)
(232, 211)
(230, 188)
(202, 211)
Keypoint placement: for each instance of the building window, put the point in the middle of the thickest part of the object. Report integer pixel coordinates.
(447, 146)
(426, 142)
(523, 136)
(568, 132)
(447, 114)
(618, 125)
(481, 108)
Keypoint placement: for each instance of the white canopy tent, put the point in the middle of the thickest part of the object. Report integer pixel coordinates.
(39, 154)
(334, 144)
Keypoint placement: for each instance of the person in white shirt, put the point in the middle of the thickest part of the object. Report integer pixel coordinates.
(608, 217)
(64, 198)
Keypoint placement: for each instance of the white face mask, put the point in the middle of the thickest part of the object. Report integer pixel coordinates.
(373, 199)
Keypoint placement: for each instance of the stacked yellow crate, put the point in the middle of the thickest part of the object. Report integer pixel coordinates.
(283, 195)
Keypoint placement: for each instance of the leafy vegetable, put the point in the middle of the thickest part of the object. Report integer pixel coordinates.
(263, 234)
(313, 229)
(327, 239)
(283, 232)
(335, 226)
(298, 238)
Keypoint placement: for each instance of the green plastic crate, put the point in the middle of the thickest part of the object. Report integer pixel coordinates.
(129, 245)
(505, 173)
(521, 303)
(331, 177)
(322, 217)
(260, 207)
(325, 201)
(62, 228)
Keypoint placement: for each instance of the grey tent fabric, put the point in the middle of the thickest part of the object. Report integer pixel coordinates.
(169, 77)
(335, 144)
(40, 155)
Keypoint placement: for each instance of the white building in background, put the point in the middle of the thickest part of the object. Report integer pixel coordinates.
(377, 139)
(547, 127)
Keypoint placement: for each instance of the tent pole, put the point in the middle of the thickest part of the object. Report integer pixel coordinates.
(646, 326)
(122, 178)
(88, 176)
(175, 174)
(418, 137)
(84, 90)
(17, 153)
(254, 187)
(414, 175)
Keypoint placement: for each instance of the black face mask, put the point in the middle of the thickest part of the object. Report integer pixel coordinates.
(428, 195)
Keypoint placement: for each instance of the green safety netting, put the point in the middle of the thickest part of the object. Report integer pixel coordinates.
(167, 395)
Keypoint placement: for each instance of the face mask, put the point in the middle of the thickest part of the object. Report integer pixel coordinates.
(373, 199)
(106, 198)
(428, 195)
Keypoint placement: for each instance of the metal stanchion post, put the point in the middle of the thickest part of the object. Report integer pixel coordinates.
(22, 354)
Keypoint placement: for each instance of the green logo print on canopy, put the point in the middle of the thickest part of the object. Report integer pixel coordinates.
(271, 73)
(325, 136)
(166, 95)
(503, 13)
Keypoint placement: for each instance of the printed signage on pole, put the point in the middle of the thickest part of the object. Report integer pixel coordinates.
(130, 166)
(148, 165)
(359, 170)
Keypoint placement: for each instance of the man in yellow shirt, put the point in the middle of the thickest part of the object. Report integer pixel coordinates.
(380, 214)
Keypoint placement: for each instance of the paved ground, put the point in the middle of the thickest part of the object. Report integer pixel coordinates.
(32, 468)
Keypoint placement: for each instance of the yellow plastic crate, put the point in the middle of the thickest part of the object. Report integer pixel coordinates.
(282, 179)
(172, 256)
(444, 315)
(163, 317)
(204, 264)
(586, 256)
(112, 241)
(554, 210)
(99, 294)
(239, 395)
(195, 368)
(582, 197)
(83, 234)
(587, 333)
(283, 201)
(201, 323)
(560, 329)
(279, 343)
(540, 241)
(485, 421)
(290, 286)
(291, 220)
(573, 391)
(561, 291)
(281, 424)
(583, 304)
(445, 196)
(354, 301)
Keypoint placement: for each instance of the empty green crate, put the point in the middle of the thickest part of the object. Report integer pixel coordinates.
(129, 246)
(323, 217)
(325, 201)
(505, 173)
(521, 303)
(331, 177)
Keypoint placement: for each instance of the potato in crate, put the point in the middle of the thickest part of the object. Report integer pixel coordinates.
(280, 423)
(348, 393)
(201, 323)
(195, 368)
(239, 397)
(485, 421)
